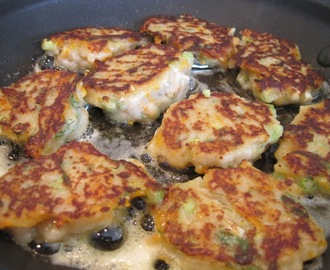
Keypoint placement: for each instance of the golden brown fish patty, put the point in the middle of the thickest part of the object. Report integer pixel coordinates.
(271, 68)
(42, 111)
(304, 150)
(237, 218)
(78, 48)
(212, 44)
(71, 191)
(137, 86)
(213, 129)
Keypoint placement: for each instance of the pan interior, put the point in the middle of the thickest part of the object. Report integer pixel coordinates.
(45, 17)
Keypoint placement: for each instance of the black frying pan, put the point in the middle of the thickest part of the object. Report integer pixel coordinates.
(24, 23)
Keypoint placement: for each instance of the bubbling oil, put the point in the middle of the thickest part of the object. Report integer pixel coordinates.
(139, 251)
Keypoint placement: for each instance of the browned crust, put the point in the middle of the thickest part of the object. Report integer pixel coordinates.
(227, 138)
(89, 178)
(308, 163)
(150, 65)
(265, 44)
(280, 236)
(194, 242)
(314, 121)
(291, 77)
(289, 72)
(97, 37)
(208, 39)
(35, 89)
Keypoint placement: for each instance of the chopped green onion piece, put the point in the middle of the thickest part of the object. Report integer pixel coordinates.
(308, 184)
(48, 45)
(207, 93)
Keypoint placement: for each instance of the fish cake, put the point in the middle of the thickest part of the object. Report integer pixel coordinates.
(42, 111)
(212, 45)
(139, 85)
(71, 191)
(214, 130)
(77, 49)
(237, 218)
(272, 69)
(304, 149)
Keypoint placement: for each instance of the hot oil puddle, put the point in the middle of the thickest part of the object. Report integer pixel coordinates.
(139, 251)
(10, 155)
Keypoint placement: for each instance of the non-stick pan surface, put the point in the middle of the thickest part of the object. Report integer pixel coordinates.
(24, 23)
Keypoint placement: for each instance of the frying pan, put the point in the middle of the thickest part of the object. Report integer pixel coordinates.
(24, 23)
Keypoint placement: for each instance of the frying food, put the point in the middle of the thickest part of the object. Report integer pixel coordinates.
(213, 129)
(74, 190)
(237, 218)
(139, 85)
(272, 69)
(42, 111)
(83, 209)
(212, 45)
(304, 149)
(77, 49)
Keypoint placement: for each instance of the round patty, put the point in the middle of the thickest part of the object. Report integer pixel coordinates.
(214, 130)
